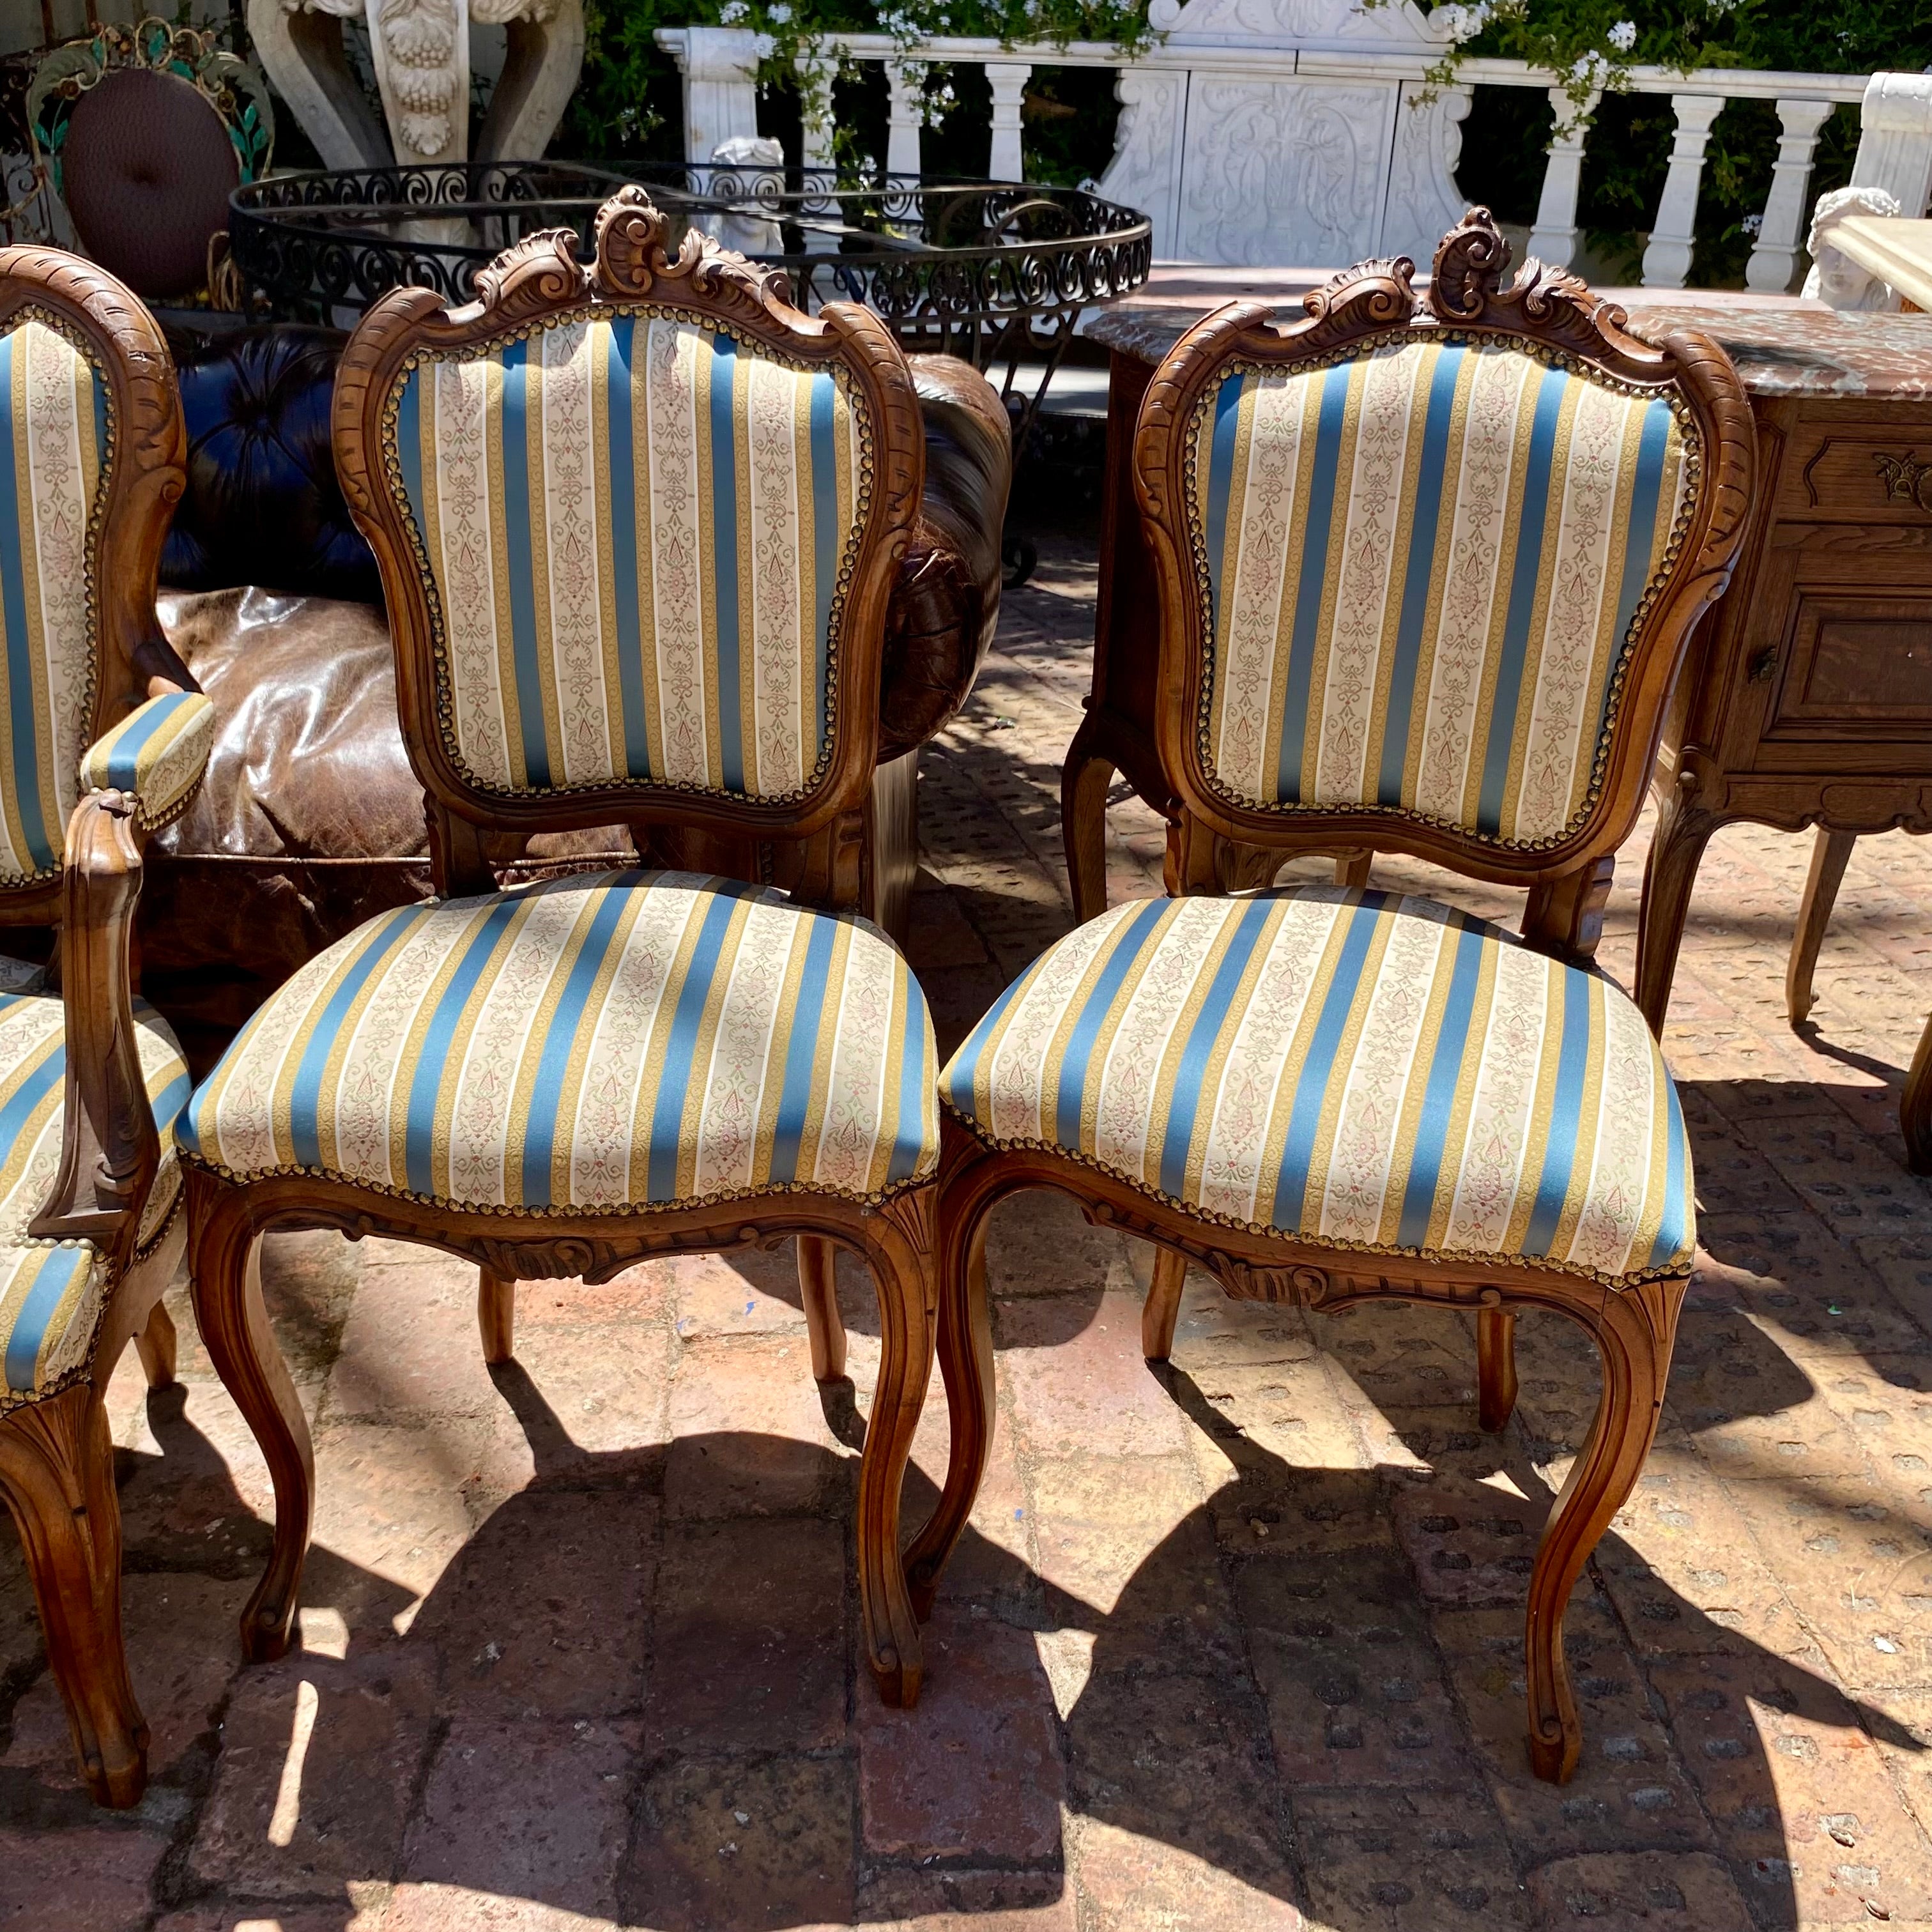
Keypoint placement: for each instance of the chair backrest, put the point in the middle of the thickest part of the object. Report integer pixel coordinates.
(145, 128)
(637, 525)
(91, 467)
(1428, 569)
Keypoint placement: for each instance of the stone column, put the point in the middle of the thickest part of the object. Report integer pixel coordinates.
(1553, 239)
(905, 84)
(1666, 262)
(1008, 81)
(720, 66)
(1895, 142)
(1774, 260)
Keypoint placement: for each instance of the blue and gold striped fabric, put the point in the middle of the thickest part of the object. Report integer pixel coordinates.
(1365, 1070)
(1423, 566)
(158, 752)
(53, 448)
(612, 1041)
(636, 531)
(51, 1291)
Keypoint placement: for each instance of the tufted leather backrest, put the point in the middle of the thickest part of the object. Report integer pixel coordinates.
(262, 505)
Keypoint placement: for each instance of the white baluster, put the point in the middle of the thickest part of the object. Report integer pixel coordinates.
(1773, 261)
(1553, 239)
(1008, 81)
(817, 70)
(905, 85)
(1666, 262)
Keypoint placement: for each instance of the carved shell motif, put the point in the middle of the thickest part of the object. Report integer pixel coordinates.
(534, 276)
(419, 37)
(632, 261)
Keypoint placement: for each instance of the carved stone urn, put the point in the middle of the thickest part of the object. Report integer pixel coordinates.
(421, 51)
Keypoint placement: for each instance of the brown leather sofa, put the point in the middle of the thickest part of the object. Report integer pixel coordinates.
(311, 820)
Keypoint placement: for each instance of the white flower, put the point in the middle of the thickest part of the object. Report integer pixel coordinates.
(1590, 70)
(733, 11)
(1623, 36)
(1463, 22)
(779, 14)
(1753, 224)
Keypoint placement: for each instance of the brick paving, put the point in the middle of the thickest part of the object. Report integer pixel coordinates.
(1238, 1645)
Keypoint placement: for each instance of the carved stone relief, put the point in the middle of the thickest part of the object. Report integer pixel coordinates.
(1423, 202)
(1146, 169)
(1244, 155)
(1283, 171)
(420, 51)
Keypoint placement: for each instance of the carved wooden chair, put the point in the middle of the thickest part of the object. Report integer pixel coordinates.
(106, 738)
(1426, 571)
(637, 523)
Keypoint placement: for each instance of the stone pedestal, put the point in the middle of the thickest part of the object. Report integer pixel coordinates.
(420, 50)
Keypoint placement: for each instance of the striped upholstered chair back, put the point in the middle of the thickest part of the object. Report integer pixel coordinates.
(634, 523)
(1429, 566)
(90, 435)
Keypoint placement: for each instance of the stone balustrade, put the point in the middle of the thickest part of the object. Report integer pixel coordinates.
(1312, 150)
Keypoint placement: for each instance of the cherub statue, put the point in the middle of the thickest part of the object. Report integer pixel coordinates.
(1835, 277)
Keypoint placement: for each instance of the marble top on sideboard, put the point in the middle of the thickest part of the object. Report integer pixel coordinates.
(1788, 348)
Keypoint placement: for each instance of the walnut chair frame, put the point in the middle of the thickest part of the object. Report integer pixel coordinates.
(1218, 845)
(816, 842)
(56, 1458)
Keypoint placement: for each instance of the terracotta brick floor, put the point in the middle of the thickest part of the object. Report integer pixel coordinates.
(1239, 1645)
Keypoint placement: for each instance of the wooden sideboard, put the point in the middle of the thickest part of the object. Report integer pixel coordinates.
(1806, 698)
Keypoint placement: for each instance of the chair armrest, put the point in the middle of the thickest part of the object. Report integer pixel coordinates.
(110, 1148)
(156, 755)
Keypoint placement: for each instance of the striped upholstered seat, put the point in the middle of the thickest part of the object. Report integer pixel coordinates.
(617, 1041)
(637, 533)
(51, 1292)
(1423, 567)
(1363, 1070)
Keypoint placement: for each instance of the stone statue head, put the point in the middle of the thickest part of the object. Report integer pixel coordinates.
(745, 164)
(1835, 277)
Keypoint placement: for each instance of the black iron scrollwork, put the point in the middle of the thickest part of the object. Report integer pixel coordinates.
(953, 266)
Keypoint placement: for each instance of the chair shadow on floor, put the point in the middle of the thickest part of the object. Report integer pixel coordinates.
(585, 1711)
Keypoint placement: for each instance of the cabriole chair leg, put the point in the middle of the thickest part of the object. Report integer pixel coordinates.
(965, 1350)
(225, 1266)
(496, 1316)
(1495, 1367)
(901, 1261)
(156, 1345)
(1634, 1330)
(818, 1290)
(1162, 1309)
(57, 1472)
